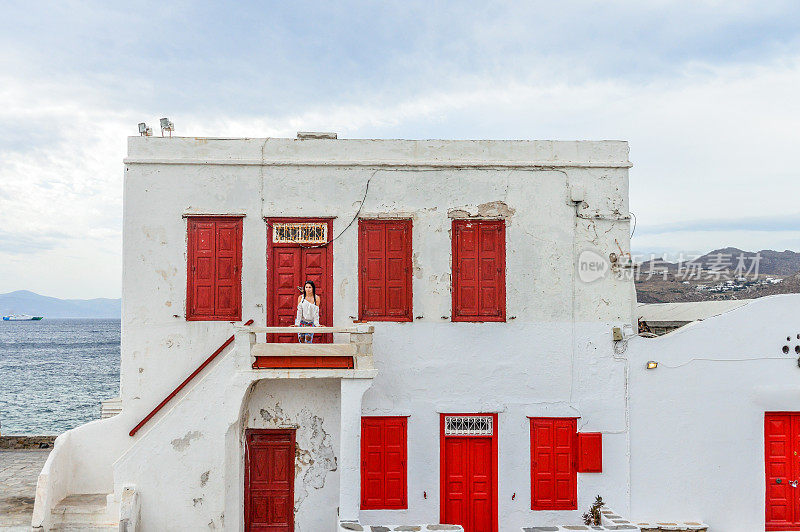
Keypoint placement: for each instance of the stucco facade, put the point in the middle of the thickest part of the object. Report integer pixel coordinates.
(551, 357)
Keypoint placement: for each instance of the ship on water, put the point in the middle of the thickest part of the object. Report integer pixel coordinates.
(21, 317)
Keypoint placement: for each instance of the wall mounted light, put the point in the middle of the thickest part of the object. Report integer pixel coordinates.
(145, 130)
(651, 364)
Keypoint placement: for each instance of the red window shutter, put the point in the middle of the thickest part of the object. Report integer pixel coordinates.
(383, 463)
(398, 269)
(479, 270)
(385, 270)
(395, 462)
(214, 259)
(554, 482)
(590, 452)
(373, 269)
(372, 464)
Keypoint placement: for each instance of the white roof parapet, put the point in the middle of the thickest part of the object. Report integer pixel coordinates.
(378, 153)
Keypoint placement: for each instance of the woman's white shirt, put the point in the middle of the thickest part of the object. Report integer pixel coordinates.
(307, 311)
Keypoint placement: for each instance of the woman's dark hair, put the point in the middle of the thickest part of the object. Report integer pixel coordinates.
(313, 290)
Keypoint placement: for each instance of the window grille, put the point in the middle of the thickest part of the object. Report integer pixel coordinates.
(468, 426)
(301, 233)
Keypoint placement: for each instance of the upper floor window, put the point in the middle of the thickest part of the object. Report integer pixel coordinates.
(479, 270)
(384, 280)
(214, 268)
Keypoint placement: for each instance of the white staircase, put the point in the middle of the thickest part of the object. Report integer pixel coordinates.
(110, 407)
(86, 511)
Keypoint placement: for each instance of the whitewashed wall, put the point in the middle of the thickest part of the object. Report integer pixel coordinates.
(697, 437)
(553, 357)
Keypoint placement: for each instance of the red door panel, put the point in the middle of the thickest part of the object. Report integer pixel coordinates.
(469, 481)
(554, 479)
(269, 480)
(781, 467)
(456, 480)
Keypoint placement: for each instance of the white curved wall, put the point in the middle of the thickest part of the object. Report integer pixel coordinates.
(697, 421)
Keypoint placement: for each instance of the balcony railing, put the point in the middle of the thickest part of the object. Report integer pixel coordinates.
(355, 353)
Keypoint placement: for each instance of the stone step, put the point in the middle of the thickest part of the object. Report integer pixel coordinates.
(74, 527)
(82, 510)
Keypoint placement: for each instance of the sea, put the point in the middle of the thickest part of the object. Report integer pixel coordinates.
(55, 372)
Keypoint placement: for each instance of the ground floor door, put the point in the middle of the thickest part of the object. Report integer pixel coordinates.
(269, 481)
(469, 472)
(782, 468)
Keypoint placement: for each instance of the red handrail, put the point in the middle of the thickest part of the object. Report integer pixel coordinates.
(167, 399)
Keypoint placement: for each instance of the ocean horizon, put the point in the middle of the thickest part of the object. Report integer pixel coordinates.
(54, 373)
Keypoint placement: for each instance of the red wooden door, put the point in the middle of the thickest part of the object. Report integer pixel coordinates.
(289, 266)
(269, 480)
(782, 469)
(469, 482)
(554, 479)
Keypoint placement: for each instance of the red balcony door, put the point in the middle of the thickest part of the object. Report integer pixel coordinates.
(782, 469)
(289, 266)
(269, 480)
(469, 476)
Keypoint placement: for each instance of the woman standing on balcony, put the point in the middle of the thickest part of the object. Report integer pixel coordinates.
(307, 311)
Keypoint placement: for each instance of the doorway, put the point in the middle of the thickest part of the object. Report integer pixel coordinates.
(299, 250)
(468, 479)
(269, 480)
(782, 469)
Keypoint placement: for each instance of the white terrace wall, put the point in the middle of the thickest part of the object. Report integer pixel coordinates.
(697, 421)
(553, 357)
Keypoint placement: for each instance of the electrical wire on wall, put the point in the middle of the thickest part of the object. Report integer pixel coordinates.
(355, 217)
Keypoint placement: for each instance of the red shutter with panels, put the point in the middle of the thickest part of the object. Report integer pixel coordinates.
(385, 270)
(398, 269)
(479, 270)
(214, 259)
(554, 479)
(383, 463)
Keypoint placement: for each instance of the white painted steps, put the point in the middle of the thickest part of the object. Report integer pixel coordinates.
(84, 511)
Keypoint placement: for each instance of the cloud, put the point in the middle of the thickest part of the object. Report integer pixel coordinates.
(704, 92)
(23, 244)
(753, 224)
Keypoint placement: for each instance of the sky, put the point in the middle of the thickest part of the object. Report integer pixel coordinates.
(706, 93)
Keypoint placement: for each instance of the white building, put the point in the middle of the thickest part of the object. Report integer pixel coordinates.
(470, 289)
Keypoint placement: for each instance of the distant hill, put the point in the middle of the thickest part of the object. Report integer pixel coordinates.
(702, 279)
(27, 302)
(771, 262)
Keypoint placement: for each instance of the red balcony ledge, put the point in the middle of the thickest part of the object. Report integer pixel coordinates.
(353, 354)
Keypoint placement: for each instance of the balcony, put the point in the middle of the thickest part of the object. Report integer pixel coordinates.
(356, 353)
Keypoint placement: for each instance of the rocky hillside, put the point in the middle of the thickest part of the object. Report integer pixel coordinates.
(719, 274)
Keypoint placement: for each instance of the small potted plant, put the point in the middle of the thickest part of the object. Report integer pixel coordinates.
(592, 517)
